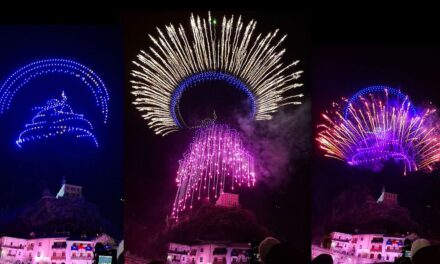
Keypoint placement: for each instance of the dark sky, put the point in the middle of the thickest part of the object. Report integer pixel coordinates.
(343, 70)
(26, 172)
(152, 160)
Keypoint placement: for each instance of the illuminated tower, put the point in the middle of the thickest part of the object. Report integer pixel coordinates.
(69, 191)
(230, 200)
(387, 198)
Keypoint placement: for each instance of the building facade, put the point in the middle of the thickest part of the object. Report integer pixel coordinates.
(12, 249)
(209, 253)
(47, 250)
(374, 247)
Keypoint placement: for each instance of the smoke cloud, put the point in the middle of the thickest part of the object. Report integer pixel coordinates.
(280, 145)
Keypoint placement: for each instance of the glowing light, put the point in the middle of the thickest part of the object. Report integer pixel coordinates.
(216, 162)
(232, 54)
(40, 68)
(54, 119)
(380, 124)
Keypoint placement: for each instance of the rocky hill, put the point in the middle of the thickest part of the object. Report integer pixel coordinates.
(50, 215)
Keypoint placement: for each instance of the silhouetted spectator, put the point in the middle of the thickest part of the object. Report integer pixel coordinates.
(265, 246)
(323, 259)
(417, 245)
(155, 262)
(272, 251)
(428, 254)
(282, 253)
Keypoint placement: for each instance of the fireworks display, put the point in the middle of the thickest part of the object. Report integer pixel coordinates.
(40, 68)
(378, 124)
(55, 119)
(216, 162)
(229, 52)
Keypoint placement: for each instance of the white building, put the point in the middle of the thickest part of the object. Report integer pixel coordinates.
(12, 249)
(53, 250)
(374, 247)
(69, 191)
(230, 200)
(209, 253)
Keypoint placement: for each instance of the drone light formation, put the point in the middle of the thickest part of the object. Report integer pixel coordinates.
(56, 119)
(233, 53)
(216, 162)
(378, 124)
(41, 68)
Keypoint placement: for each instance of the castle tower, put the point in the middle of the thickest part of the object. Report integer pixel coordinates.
(387, 198)
(228, 200)
(69, 190)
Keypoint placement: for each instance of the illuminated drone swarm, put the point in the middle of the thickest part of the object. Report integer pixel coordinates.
(379, 123)
(54, 119)
(233, 54)
(41, 68)
(216, 162)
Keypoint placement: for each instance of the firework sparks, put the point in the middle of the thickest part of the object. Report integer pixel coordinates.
(232, 54)
(216, 162)
(377, 124)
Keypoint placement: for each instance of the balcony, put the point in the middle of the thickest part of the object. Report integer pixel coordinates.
(396, 250)
(82, 257)
(341, 239)
(58, 258)
(179, 252)
(376, 249)
(13, 246)
(59, 245)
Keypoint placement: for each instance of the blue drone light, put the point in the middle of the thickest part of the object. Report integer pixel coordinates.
(378, 89)
(55, 119)
(39, 68)
(203, 77)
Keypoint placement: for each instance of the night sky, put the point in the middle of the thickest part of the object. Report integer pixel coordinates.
(26, 172)
(152, 161)
(341, 71)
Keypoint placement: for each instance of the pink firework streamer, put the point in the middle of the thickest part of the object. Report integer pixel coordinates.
(216, 162)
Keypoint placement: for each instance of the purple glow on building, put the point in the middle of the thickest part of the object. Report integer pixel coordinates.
(378, 126)
(216, 162)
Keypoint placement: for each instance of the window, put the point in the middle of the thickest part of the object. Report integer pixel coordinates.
(360, 247)
(11, 243)
(201, 259)
(39, 244)
(39, 254)
(371, 256)
(201, 250)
